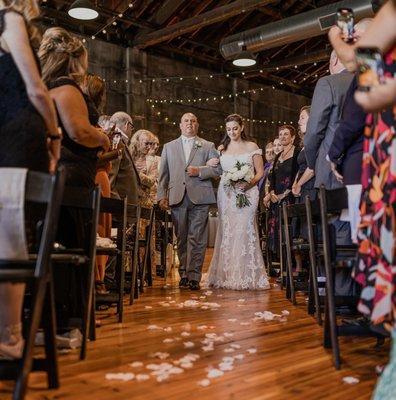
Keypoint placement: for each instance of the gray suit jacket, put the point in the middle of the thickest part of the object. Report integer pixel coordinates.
(124, 178)
(174, 181)
(326, 111)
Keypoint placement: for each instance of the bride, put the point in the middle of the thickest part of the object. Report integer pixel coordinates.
(237, 261)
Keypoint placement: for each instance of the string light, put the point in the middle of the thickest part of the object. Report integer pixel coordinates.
(253, 121)
(206, 99)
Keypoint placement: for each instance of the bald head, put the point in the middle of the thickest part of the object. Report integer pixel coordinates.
(189, 125)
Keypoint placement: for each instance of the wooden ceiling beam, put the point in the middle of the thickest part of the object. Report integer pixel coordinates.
(191, 24)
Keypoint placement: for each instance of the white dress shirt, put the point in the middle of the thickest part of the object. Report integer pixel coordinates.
(188, 143)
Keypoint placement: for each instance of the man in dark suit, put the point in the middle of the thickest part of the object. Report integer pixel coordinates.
(326, 110)
(124, 177)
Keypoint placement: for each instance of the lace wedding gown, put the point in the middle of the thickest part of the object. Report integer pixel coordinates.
(237, 261)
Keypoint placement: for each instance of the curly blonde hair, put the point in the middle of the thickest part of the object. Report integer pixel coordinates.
(134, 145)
(30, 10)
(61, 54)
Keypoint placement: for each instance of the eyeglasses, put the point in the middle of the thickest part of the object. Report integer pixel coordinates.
(130, 124)
(149, 143)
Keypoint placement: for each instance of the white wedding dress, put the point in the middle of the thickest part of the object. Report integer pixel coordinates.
(237, 261)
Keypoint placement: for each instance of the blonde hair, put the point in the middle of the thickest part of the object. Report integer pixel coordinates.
(134, 145)
(61, 54)
(30, 10)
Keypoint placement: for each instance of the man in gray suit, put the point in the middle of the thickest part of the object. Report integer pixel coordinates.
(185, 186)
(124, 178)
(326, 112)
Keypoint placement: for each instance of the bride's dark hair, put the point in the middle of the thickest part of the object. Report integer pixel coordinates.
(226, 139)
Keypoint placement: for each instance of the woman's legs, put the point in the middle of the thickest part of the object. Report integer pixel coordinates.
(11, 302)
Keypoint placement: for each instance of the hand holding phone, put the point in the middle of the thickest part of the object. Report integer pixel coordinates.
(370, 67)
(345, 21)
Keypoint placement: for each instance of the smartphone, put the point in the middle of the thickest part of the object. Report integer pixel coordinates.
(370, 67)
(345, 21)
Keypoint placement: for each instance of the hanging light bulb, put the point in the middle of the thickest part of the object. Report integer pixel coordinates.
(83, 9)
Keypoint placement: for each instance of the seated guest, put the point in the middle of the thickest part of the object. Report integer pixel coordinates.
(284, 171)
(29, 136)
(124, 177)
(63, 56)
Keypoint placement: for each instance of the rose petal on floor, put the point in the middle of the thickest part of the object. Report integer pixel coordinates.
(232, 320)
(252, 350)
(214, 373)
(148, 307)
(204, 383)
(142, 377)
(189, 345)
(168, 340)
(350, 380)
(120, 376)
(136, 364)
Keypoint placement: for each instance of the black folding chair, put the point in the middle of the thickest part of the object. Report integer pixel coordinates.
(80, 198)
(118, 210)
(41, 189)
(163, 225)
(296, 212)
(133, 213)
(146, 214)
(334, 258)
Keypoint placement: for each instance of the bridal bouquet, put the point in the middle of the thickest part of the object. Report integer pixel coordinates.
(240, 173)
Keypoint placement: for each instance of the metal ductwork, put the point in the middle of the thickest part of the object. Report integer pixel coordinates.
(298, 27)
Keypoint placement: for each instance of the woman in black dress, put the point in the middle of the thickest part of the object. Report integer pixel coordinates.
(304, 183)
(29, 136)
(284, 172)
(62, 57)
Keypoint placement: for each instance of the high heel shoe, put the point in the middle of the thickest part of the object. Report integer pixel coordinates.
(11, 342)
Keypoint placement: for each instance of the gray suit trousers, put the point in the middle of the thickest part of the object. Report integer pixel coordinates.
(191, 226)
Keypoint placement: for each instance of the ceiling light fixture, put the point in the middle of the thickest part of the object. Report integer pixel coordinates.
(83, 10)
(245, 59)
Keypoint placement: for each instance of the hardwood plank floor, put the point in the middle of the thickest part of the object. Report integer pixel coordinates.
(290, 362)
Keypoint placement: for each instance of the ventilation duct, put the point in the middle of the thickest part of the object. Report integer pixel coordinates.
(298, 27)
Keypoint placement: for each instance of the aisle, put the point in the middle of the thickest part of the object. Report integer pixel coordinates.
(257, 359)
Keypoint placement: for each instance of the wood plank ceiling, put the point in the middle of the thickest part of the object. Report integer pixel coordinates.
(295, 66)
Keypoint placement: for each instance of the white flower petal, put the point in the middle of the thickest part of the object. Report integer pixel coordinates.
(204, 383)
(350, 380)
(120, 376)
(215, 373)
(142, 377)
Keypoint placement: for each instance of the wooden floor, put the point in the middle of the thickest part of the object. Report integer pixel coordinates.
(290, 362)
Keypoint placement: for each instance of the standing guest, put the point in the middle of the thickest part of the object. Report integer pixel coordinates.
(185, 186)
(377, 231)
(94, 87)
(153, 164)
(326, 109)
(141, 143)
(278, 148)
(63, 56)
(284, 171)
(346, 151)
(303, 184)
(264, 182)
(29, 136)
(124, 177)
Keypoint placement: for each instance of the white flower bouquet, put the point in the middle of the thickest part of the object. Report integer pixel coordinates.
(240, 173)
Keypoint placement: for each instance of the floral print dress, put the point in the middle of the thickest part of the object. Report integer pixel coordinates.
(376, 270)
